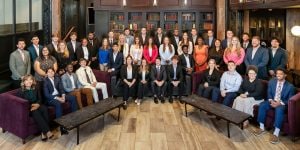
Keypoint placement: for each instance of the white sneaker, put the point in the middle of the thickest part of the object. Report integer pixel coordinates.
(138, 102)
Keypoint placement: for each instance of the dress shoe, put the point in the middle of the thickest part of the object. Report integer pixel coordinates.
(125, 105)
(162, 99)
(259, 132)
(274, 139)
(171, 100)
(155, 100)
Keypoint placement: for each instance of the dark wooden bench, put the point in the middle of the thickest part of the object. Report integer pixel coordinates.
(86, 114)
(221, 111)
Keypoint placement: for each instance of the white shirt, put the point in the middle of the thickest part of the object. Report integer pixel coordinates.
(278, 96)
(74, 45)
(55, 46)
(254, 52)
(115, 55)
(150, 52)
(177, 39)
(194, 39)
(159, 38)
(72, 81)
(37, 50)
(55, 92)
(85, 52)
(187, 59)
(274, 50)
(143, 75)
(22, 54)
(129, 73)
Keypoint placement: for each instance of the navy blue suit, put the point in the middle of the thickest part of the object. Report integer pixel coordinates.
(50, 99)
(32, 52)
(279, 59)
(287, 92)
(117, 64)
(224, 43)
(260, 60)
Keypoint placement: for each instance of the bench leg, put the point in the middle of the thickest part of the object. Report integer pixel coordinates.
(3, 130)
(185, 110)
(77, 135)
(119, 114)
(23, 141)
(228, 130)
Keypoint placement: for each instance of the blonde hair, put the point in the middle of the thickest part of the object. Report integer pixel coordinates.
(238, 47)
(66, 51)
(26, 77)
(119, 41)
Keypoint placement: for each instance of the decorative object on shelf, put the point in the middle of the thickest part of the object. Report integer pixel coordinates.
(295, 30)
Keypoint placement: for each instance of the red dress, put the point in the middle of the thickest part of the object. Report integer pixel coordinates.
(200, 57)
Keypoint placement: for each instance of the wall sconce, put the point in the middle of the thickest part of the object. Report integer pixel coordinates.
(154, 2)
(185, 2)
(241, 1)
(296, 30)
(124, 3)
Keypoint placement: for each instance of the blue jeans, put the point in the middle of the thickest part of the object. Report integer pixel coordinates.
(228, 99)
(58, 106)
(264, 107)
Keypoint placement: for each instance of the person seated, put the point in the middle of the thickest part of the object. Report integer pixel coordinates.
(279, 93)
(55, 95)
(72, 86)
(186, 61)
(277, 57)
(115, 61)
(128, 77)
(38, 111)
(87, 79)
(175, 77)
(143, 80)
(158, 81)
(251, 93)
(229, 85)
(210, 80)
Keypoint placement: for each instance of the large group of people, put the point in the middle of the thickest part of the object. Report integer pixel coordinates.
(62, 71)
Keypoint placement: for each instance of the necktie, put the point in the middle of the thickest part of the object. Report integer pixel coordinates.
(158, 73)
(87, 77)
(91, 41)
(278, 91)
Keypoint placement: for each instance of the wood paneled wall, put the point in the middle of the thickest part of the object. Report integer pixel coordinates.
(56, 16)
(221, 18)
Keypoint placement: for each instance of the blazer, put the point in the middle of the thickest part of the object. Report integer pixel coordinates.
(279, 59)
(17, 66)
(213, 79)
(51, 49)
(156, 40)
(248, 46)
(212, 42)
(80, 54)
(67, 83)
(123, 73)
(150, 60)
(178, 73)
(140, 75)
(260, 60)
(48, 88)
(117, 64)
(80, 72)
(173, 41)
(161, 77)
(287, 92)
(129, 39)
(146, 39)
(29, 98)
(72, 51)
(32, 52)
(94, 47)
(191, 39)
(224, 43)
(183, 62)
(254, 89)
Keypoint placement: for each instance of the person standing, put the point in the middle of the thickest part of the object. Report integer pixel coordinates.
(210, 41)
(53, 46)
(35, 49)
(72, 46)
(84, 51)
(136, 51)
(200, 55)
(19, 63)
(123, 46)
(186, 61)
(63, 57)
(150, 51)
(194, 36)
(111, 38)
(226, 42)
(175, 39)
(103, 55)
(166, 52)
(185, 41)
(129, 39)
(277, 57)
(159, 37)
(94, 44)
(216, 52)
(115, 61)
(143, 36)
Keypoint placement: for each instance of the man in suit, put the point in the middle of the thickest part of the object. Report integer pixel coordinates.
(210, 41)
(246, 42)
(53, 46)
(73, 45)
(129, 39)
(87, 79)
(186, 61)
(84, 51)
(279, 93)
(277, 57)
(158, 81)
(159, 37)
(111, 38)
(115, 61)
(194, 36)
(175, 77)
(34, 49)
(259, 57)
(175, 39)
(94, 44)
(19, 63)
(226, 42)
(72, 86)
(143, 36)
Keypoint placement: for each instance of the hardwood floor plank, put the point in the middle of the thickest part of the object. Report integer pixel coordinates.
(143, 127)
(159, 141)
(127, 141)
(143, 145)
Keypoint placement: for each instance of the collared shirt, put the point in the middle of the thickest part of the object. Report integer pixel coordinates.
(55, 92)
(278, 90)
(194, 39)
(143, 75)
(230, 81)
(92, 42)
(72, 81)
(150, 52)
(274, 50)
(159, 38)
(187, 59)
(37, 49)
(254, 52)
(210, 39)
(22, 54)
(74, 45)
(245, 44)
(85, 52)
(177, 39)
(55, 45)
(174, 68)
(129, 73)
(115, 55)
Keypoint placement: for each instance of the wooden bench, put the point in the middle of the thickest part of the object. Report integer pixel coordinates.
(221, 111)
(86, 114)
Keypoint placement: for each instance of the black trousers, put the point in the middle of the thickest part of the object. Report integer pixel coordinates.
(40, 116)
(158, 90)
(142, 90)
(16, 84)
(171, 86)
(205, 92)
(128, 91)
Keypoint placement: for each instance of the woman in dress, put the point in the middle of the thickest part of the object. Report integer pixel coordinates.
(200, 55)
(143, 80)
(150, 51)
(216, 53)
(62, 57)
(185, 41)
(234, 52)
(166, 52)
(136, 51)
(103, 55)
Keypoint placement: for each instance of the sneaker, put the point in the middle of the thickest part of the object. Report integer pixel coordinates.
(274, 139)
(259, 132)
(138, 102)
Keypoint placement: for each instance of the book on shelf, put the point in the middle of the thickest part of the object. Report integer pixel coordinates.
(209, 16)
(170, 26)
(170, 17)
(153, 17)
(188, 17)
(117, 17)
(207, 26)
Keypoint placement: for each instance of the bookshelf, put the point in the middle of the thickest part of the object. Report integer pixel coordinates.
(117, 21)
(153, 20)
(188, 21)
(171, 20)
(135, 20)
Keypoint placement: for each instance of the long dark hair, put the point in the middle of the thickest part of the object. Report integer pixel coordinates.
(147, 42)
(169, 45)
(146, 67)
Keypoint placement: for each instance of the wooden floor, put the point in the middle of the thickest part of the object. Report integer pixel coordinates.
(156, 127)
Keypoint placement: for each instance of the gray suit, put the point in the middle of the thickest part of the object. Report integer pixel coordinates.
(129, 40)
(17, 66)
(67, 83)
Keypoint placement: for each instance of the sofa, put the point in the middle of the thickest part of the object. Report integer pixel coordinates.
(14, 112)
(291, 125)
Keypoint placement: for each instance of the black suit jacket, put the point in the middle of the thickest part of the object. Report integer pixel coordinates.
(183, 62)
(178, 74)
(191, 39)
(224, 43)
(140, 76)
(213, 80)
(173, 41)
(117, 64)
(156, 40)
(72, 51)
(162, 75)
(212, 42)
(51, 49)
(80, 54)
(146, 40)
(279, 59)
(94, 47)
(123, 72)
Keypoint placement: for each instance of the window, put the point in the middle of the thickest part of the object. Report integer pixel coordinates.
(6, 17)
(22, 16)
(37, 15)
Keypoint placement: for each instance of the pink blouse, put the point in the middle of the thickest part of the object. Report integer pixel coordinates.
(234, 57)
